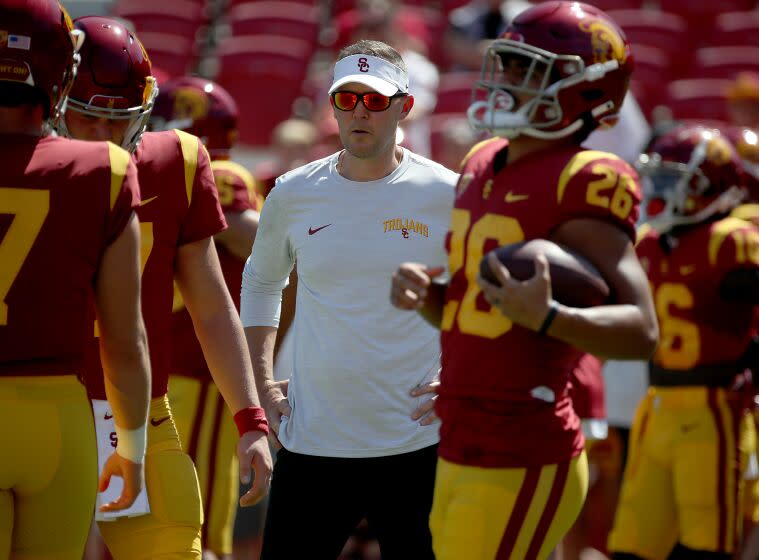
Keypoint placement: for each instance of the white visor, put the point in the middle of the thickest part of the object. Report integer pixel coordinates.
(376, 73)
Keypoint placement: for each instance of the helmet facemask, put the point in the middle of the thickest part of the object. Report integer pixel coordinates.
(512, 69)
(671, 190)
(138, 116)
(60, 98)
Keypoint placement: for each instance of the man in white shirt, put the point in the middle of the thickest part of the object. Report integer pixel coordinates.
(358, 431)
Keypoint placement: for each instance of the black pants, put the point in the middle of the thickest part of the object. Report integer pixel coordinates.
(316, 502)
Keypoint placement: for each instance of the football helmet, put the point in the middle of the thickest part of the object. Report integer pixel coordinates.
(690, 174)
(39, 48)
(114, 80)
(200, 107)
(746, 142)
(558, 66)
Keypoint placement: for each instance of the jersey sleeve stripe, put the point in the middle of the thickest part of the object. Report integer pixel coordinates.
(478, 146)
(190, 149)
(579, 161)
(119, 159)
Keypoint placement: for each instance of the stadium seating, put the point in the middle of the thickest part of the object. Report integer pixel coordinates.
(454, 93)
(698, 98)
(177, 17)
(174, 54)
(736, 29)
(265, 75)
(275, 17)
(724, 62)
(665, 31)
(651, 64)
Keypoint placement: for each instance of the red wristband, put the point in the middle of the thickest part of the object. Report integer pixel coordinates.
(250, 419)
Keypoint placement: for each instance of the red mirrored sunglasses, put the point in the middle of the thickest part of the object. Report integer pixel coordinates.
(373, 101)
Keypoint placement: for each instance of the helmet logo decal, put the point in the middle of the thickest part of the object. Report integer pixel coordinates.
(190, 103)
(15, 71)
(512, 36)
(717, 151)
(606, 42)
(147, 93)
(363, 64)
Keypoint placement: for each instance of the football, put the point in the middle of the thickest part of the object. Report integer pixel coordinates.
(574, 281)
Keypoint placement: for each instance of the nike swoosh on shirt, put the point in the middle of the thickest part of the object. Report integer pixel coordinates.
(514, 197)
(160, 421)
(107, 416)
(313, 230)
(151, 199)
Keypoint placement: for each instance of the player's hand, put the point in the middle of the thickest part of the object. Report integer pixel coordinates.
(524, 302)
(425, 412)
(408, 290)
(255, 459)
(274, 401)
(134, 479)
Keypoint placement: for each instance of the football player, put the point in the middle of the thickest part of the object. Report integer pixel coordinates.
(512, 474)
(68, 235)
(691, 436)
(206, 430)
(179, 213)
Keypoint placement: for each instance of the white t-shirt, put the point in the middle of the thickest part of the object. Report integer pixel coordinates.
(355, 356)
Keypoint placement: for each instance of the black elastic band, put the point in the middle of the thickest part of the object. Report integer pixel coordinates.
(552, 310)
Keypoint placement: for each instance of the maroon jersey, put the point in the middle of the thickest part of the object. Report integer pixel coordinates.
(587, 388)
(237, 193)
(62, 202)
(504, 399)
(179, 205)
(696, 326)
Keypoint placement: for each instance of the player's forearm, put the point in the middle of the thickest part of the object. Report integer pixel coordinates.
(126, 369)
(261, 342)
(223, 343)
(241, 232)
(620, 332)
(432, 312)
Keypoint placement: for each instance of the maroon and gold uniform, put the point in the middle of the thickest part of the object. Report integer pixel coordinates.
(179, 206)
(204, 423)
(62, 202)
(497, 207)
(504, 400)
(690, 415)
(587, 392)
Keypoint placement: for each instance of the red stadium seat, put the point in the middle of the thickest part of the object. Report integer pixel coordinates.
(736, 29)
(178, 17)
(454, 92)
(724, 62)
(698, 99)
(666, 31)
(451, 137)
(265, 75)
(275, 17)
(174, 54)
(702, 14)
(653, 68)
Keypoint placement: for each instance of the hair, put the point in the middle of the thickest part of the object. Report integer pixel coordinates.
(374, 48)
(14, 94)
